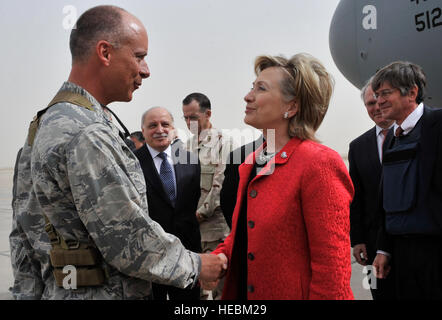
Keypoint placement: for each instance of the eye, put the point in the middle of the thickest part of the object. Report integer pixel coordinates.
(140, 57)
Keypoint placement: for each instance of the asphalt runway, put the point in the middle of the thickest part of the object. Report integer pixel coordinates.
(6, 277)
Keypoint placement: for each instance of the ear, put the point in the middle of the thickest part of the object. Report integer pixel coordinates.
(413, 93)
(103, 50)
(293, 107)
(208, 113)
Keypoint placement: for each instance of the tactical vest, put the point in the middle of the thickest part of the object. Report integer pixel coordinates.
(407, 212)
(85, 257)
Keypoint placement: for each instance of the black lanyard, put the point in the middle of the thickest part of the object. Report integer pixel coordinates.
(126, 133)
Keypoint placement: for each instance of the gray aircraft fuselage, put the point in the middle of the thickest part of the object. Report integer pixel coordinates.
(366, 35)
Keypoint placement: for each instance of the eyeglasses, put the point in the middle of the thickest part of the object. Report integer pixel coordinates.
(384, 94)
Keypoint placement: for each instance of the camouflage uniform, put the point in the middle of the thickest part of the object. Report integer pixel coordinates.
(82, 175)
(213, 151)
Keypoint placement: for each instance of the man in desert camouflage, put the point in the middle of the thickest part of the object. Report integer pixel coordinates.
(213, 149)
(80, 193)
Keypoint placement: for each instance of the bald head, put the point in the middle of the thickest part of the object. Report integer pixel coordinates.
(157, 110)
(109, 23)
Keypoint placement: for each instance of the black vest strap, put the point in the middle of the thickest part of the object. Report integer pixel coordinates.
(124, 135)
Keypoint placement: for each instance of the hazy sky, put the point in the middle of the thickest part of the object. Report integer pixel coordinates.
(203, 46)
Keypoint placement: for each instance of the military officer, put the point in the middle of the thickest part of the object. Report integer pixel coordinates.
(213, 149)
(81, 228)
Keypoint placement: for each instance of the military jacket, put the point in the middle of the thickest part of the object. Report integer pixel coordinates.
(213, 151)
(89, 184)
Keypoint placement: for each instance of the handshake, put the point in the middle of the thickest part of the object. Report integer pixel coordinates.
(213, 268)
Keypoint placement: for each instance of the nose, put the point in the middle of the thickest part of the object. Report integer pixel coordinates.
(381, 100)
(160, 129)
(249, 97)
(144, 70)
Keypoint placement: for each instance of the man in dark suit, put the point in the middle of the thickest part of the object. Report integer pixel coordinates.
(365, 161)
(229, 189)
(138, 139)
(173, 189)
(412, 184)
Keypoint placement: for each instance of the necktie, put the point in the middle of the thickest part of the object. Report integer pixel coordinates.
(398, 131)
(167, 177)
(384, 133)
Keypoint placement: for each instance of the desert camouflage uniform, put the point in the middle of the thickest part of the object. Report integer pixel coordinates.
(82, 175)
(213, 151)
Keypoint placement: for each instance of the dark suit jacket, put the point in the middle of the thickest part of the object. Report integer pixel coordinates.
(181, 219)
(229, 189)
(430, 170)
(365, 172)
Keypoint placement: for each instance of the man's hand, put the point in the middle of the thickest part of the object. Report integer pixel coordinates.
(213, 267)
(358, 250)
(381, 265)
(211, 285)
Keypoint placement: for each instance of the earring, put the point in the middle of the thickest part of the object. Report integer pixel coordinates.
(286, 115)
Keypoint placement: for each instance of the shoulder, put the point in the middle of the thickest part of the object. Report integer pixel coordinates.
(140, 153)
(314, 149)
(69, 113)
(324, 166)
(317, 157)
(61, 124)
(363, 138)
(432, 119)
(65, 120)
(224, 137)
(435, 113)
(183, 156)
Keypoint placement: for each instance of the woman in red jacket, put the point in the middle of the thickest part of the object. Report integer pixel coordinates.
(290, 232)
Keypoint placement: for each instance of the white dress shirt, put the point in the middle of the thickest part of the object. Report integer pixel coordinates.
(380, 140)
(410, 122)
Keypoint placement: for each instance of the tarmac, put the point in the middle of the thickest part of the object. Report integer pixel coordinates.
(6, 277)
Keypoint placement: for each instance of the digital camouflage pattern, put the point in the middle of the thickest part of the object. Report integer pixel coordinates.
(82, 175)
(213, 151)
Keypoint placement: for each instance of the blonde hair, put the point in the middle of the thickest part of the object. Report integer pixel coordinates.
(306, 80)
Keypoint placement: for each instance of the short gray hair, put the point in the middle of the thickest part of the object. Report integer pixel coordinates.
(98, 23)
(402, 76)
(365, 87)
(153, 108)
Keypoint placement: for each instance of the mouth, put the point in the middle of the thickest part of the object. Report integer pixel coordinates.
(249, 110)
(137, 85)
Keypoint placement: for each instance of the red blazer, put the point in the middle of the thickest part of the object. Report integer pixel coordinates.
(297, 226)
